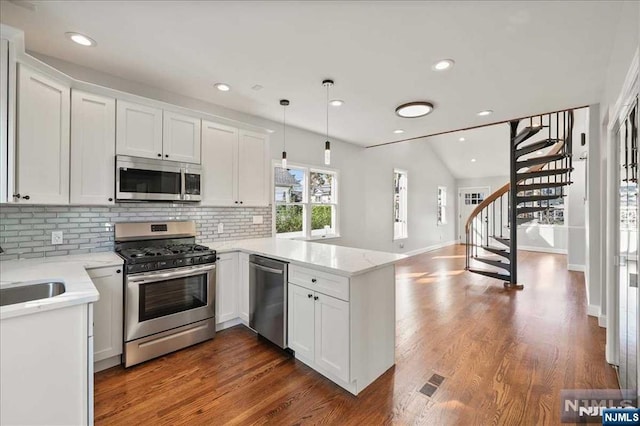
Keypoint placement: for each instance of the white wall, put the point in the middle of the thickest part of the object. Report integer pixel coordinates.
(366, 174)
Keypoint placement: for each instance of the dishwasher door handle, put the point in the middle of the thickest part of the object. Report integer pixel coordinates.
(266, 269)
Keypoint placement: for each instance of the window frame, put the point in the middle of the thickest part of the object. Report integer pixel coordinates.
(307, 205)
(403, 206)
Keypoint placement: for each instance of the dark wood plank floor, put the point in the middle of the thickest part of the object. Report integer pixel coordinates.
(505, 357)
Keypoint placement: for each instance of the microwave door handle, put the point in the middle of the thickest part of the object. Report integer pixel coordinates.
(183, 194)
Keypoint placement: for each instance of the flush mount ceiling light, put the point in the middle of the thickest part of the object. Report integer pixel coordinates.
(485, 113)
(414, 109)
(223, 87)
(336, 102)
(461, 139)
(473, 160)
(443, 65)
(81, 39)
(398, 131)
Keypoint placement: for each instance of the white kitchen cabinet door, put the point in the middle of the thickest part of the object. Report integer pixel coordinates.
(93, 148)
(43, 139)
(332, 335)
(107, 312)
(181, 138)
(301, 321)
(226, 287)
(243, 287)
(253, 175)
(138, 130)
(219, 165)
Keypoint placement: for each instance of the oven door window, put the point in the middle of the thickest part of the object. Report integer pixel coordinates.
(191, 184)
(149, 181)
(162, 298)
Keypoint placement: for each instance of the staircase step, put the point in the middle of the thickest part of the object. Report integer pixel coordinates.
(505, 241)
(492, 274)
(525, 134)
(498, 251)
(540, 160)
(533, 198)
(497, 263)
(528, 149)
(541, 185)
(524, 210)
(542, 173)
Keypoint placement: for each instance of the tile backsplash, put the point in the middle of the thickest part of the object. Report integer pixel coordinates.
(25, 231)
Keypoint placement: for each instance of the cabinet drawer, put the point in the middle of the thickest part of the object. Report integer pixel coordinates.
(322, 282)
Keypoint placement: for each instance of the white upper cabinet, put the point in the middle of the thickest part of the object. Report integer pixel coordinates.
(93, 148)
(235, 166)
(219, 164)
(253, 176)
(181, 138)
(42, 175)
(138, 130)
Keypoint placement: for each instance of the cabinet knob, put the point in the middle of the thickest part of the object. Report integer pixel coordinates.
(118, 271)
(315, 298)
(110, 199)
(166, 155)
(16, 195)
(313, 280)
(217, 258)
(159, 155)
(240, 202)
(236, 202)
(26, 197)
(309, 296)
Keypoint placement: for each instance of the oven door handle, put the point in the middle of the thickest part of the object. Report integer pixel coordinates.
(152, 278)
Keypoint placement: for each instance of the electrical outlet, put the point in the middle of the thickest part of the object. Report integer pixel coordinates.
(257, 220)
(220, 228)
(56, 237)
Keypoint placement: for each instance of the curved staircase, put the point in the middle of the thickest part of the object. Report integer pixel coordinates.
(540, 170)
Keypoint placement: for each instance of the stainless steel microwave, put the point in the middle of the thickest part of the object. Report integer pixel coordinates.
(143, 179)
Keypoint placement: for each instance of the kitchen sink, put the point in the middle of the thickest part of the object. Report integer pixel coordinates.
(30, 292)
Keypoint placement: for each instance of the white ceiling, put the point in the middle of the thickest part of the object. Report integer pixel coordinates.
(516, 58)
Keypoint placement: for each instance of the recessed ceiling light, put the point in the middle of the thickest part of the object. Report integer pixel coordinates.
(336, 102)
(81, 39)
(485, 112)
(414, 109)
(473, 160)
(443, 65)
(257, 87)
(223, 87)
(461, 139)
(398, 131)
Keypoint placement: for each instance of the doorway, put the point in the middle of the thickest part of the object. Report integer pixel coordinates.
(468, 200)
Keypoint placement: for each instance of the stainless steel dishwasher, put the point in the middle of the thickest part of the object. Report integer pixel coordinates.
(268, 298)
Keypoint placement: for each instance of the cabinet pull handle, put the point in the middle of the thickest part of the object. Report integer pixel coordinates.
(313, 280)
(309, 296)
(26, 197)
(16, 195)
(315, 298)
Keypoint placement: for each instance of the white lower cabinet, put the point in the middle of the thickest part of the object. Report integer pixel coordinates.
(319, 330)
(243, 287)
(107, 314)
(226, 287)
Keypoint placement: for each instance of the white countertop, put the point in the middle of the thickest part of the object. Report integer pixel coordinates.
(71, 270)
(346, 261)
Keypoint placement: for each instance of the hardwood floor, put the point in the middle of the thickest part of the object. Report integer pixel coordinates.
(505, 357)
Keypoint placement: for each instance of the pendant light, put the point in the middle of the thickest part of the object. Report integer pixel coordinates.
(327, 145)
(284, 103)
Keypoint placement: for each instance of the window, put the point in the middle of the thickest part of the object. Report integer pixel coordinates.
(306, 202)
(469, 198)
(442, 203)
(553, 215)
(400, 230)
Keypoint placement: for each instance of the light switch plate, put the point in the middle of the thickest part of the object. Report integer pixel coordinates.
(56, 237)
(258, 220)
(220, 228)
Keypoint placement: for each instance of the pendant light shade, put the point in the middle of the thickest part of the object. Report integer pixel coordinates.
(284, 103)
(327, 145)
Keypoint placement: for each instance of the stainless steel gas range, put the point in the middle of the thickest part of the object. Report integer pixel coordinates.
(170, 282)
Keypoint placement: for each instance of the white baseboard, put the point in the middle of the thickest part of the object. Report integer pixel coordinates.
(602, 321)
(543, 249)
(593, 311)
(430, 248)
(228, 324)
(575, 267)
(107, 363)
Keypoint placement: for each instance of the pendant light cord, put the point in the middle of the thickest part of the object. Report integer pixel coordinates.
(284, 128)
(327, 112)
